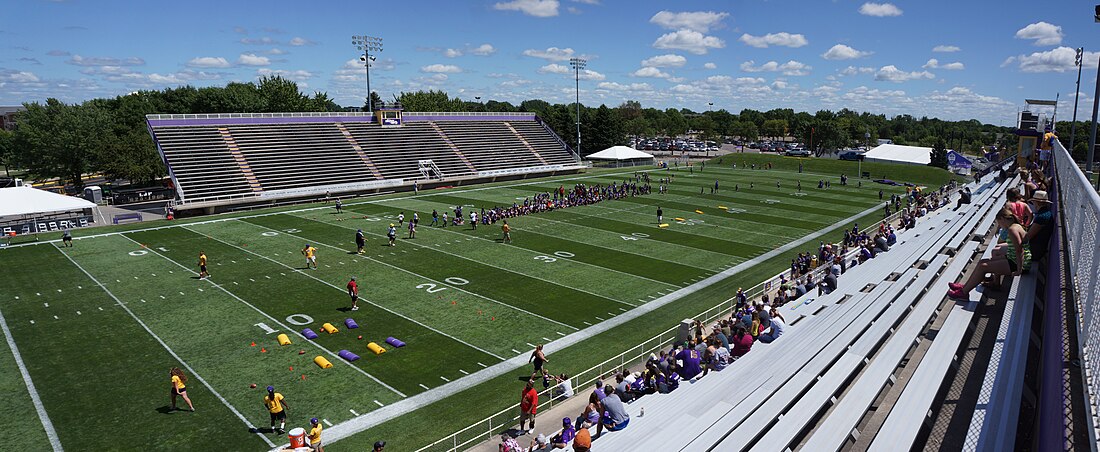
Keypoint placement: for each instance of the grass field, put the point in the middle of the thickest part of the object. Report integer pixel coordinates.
(97, 326)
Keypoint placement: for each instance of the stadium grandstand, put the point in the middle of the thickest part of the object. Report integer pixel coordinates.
(218, 161)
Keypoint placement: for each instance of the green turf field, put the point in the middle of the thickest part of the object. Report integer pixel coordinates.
(98, 325)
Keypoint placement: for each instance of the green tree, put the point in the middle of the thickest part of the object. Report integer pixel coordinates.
(422, 101)
(58, 140)
(375, 99)
(775, 128)
(746, 130)
(605, 131)
(939, 155)
(7, 150)
(674, 123)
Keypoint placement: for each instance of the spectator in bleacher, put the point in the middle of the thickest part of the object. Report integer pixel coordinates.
(583, 441)
(1013, 262)
(1019, 207)
(720, 336)
(828, 284)
(622, 388)
(742, 341)
(880, 243)
(614, 416)
(1038, 234)
(564, 387)
(691, 359)
(776, 327)
(598, 392)
(562, 440)
(509, 444)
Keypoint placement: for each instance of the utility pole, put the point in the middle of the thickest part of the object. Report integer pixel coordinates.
(367, 44)
(578, 65)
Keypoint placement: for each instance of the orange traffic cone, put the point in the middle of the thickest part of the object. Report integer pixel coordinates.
(253, 343)
(291, 368)
(263, 350)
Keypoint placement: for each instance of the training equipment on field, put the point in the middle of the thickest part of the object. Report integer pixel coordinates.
(360, 338)
(395, 342)
(679, 219)
(283, 339)
(253, 386)
(377, 349)
(348, 355)
(297, 437)
(351, 324)
(321, 361)
(663, 225)
(723, 207)
(329, 328)
(700, 212)
(309, 334)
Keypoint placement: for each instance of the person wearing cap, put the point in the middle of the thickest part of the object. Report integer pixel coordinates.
(583, 441)
(379, 445)
(1038, 234)
(562, 440)
(311, 256)
(528, 405)
(315, 434)
(360, 241)
(392, 234)
(353, 292)
(276, 406)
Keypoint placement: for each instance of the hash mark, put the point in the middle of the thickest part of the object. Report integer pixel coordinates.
(445, 379)
(32, 322)
(546, 339)
(463, 372)
(621, 309)
(560, 333)
(46, 305)
(55, 318)
(517, 351)
(78, 313)
(425, 387)
(589, 324)
(482, 365)
(354, 413)
(327, 423)
(600, 318)
(101, 308)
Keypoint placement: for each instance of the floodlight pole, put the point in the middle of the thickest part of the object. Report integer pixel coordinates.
(367, 44)
(578, 64)
(1076, 94)
(1090, 155)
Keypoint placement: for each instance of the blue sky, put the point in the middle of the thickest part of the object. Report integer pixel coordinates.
(954, 60)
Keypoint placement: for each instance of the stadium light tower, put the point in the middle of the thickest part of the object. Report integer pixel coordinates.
(367, 44)
(578, 65)
(1076, 94)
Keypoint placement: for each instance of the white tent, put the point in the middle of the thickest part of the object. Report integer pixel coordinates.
(619, 153)
(29, 201)
(896, 153)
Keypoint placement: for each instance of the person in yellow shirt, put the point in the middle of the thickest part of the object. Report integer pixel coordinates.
(202, 265)
(276, 405)
(311, 256)
(179, 387)
(315, 435)
(507, 232)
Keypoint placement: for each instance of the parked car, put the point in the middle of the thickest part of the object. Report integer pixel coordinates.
(851, 155)
(798, 152)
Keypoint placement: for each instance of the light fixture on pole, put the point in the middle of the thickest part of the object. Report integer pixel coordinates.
(578, 66)
(367, 44)
(1076, 94)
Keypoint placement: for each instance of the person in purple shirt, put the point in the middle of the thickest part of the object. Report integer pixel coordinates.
(562, 440)
(691, 359)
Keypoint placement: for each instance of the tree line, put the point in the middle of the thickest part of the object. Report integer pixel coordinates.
(55, 139)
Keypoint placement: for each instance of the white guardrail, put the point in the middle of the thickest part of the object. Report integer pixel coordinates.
(327, 114)
(491, 426)
(1080, 210)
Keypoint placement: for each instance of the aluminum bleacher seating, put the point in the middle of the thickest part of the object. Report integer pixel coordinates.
(201, 163)
(298, 155)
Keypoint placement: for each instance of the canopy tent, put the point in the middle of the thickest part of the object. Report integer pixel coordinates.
(896, 153)
(26, 200)
(619, 153)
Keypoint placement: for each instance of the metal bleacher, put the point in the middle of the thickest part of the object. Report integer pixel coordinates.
(811, 389)
(223, 159)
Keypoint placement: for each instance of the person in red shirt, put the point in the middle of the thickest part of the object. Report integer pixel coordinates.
(353, 292)
(528, 405)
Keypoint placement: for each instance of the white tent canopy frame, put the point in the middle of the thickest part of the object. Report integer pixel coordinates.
(619, 153)
(28, 203)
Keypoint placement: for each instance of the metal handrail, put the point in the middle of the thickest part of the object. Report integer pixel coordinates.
(324, 114)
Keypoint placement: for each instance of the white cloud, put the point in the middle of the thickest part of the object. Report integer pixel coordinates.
(945, 49)
(866, 94)
(613, 86)
(774, 39)
(710, 66)
(879, 10)
(249, 59)
(452, 53)
(792, 68)
(650, 72)
(554, 68)
(1043, 33)
(935, 64)
(536, 8)
(963, 95)
(276, 51)
(19, 77)
(667, 60)
(297, 76)
(779, 84)
(441, 69)
(550, 54)
(700, 21)
(298, 41)
(264, 41)
(105, 61)
(1060, 59)
(483, 50)
(208, 62)
(891, 73)
(843, 52)
(589, 74)
(689, 41)
(852, 70)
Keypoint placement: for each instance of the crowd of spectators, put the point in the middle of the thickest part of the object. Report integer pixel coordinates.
(560, 198)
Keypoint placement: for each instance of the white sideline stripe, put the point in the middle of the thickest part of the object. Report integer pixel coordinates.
(277, 322)
(42, 416)
(307, 209)
(361, 423)
(364, 299)
(166, 347)
(559, 284)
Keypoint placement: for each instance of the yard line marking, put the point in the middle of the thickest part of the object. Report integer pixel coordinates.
(233, 261)
(445, 379)
(611, 314)
(517, 351)
(532, 345)
(181, 293)
(341, 289)
(419, 276)
(425, 387)
(560, 333)
(463, 372)
(378, 403)
(42, 416)
(651, 297)
(354, 413)
(489, 265)
(621, 309)
(546, 339)
(586, 323)
(166, 347)
(276, 321)
(600, 318)
(482, 365)
(327, 423)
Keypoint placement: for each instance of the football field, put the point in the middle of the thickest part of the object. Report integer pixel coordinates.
(92, 330)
